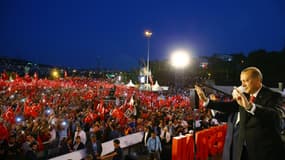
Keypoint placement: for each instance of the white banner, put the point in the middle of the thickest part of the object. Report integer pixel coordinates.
(108, 147)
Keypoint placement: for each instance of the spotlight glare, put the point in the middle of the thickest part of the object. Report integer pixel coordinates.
(180, 59)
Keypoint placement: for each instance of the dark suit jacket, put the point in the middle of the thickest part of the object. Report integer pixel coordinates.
(80, 146)
(90, 149)
(147, 137)
(31, 155)
(260, 133)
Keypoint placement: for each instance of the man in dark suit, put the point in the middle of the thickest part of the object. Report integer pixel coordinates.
(31, 154)
(258, 118)
(146, 136)
(78, 144)
(94, 147)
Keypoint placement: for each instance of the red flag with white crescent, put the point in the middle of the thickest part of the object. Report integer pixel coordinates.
(9, 116)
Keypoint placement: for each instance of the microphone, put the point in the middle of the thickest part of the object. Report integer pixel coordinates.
(235, 93)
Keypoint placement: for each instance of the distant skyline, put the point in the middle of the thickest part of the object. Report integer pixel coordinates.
(80, 34)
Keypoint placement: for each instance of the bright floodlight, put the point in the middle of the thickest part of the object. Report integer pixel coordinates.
(148, 33)
(180, 59)
(54, 73)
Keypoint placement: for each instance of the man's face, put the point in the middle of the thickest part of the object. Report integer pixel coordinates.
(153, 135)
(115, 145)
(250, 84)
(35, 147)
(78, 140)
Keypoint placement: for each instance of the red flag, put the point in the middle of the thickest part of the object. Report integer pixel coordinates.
(90, 117)
(27, 110)
(117, 113)
(17, 78)
(32, 110)
(35, 111)
(101, 110)
(88, 95)
(87, 119)
(4, 76)
(27, 78)
(9, 116)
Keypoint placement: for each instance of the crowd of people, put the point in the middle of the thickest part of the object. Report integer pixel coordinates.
(43, 118)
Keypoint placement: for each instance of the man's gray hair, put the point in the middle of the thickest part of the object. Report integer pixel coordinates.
(255, 72)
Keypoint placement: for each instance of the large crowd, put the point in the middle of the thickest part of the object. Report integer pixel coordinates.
(46, 118)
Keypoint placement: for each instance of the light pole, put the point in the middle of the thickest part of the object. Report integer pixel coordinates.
(147, 34)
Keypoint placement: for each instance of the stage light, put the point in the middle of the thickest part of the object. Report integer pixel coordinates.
(55, 74)
(180, 59)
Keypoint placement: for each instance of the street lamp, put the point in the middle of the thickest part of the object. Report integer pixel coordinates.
(147, 34)
(180, 59)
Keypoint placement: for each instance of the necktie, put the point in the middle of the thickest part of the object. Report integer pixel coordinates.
(251, 99)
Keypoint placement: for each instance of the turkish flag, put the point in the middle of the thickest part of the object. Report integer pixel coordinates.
(9, 116)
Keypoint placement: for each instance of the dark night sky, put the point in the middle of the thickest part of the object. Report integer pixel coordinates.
(79, 33)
